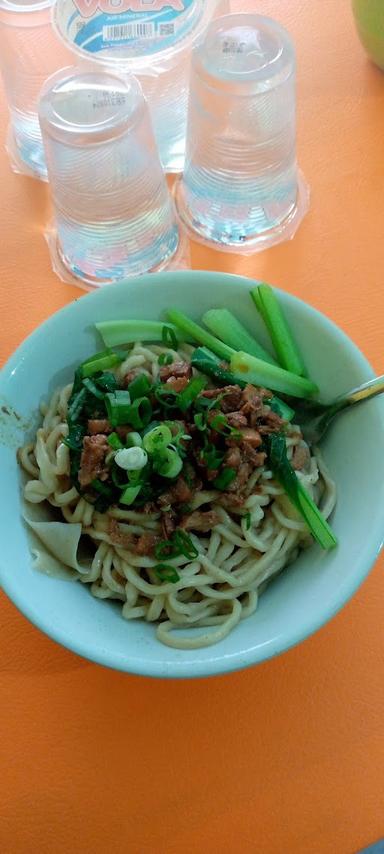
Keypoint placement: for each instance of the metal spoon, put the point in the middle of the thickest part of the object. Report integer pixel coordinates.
(314, 417)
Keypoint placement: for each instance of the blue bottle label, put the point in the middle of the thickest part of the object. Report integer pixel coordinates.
(131, 27)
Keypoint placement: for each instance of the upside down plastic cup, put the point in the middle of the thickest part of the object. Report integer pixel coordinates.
(151, 39)
(113, 213)
(30, 51)
(241, 189)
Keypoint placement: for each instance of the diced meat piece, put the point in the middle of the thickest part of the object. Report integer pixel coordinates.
(147, 543)
(230, 501)
(251, 455)
(168, 524)
(252, 403)
(119, 537)
(251, 437)
(200, 521)
(92, 461)
(99, 425)
(210, 393)
(272, 423)
(237, 420)
(176, 369)
(211, 474)
(301, 457)
(149, 508)
(232, 399)
(177, 383)
(242, 477)
(233, 458)
(179, 493)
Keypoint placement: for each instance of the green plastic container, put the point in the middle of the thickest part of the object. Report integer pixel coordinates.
(369, 17)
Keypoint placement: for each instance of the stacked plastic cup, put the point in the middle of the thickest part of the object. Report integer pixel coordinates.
(113, 214)
(151, 39)
(241, 188)
(29, 52)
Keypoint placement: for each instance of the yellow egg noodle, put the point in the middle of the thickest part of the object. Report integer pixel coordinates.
(216, 589)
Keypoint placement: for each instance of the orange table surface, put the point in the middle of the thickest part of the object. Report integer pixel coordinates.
(284, 757)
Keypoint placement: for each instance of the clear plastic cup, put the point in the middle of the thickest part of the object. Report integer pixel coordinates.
(151, 39)
(29, 52)
(241, 188)
(113, 213)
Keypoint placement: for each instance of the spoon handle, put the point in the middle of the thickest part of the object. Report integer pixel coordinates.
(363, 392)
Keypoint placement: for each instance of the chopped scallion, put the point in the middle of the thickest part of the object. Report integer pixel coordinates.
(168, 464)
(100, 362)
(139, 387)
(118, 404)
(157, 439)
(140, 413)
(166, 572)
(129, 495)
(115, 442)
(224, 479)
(191, 392)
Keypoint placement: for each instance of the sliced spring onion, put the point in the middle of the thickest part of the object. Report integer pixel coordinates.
(185, 545)
(75, 405)
(157, 439)
(224, 479)
(100, 362)
(166, 550)
(165, 359)
(256, 372)
(300, 498)
(180, 543)
(139, 387)
(169, 337)
(140, 413)
(129, 495)
(207, 363)
(166, 572)
(115, 442)
(168, 464)
(282, 339)
(131, 459)
(134, 440)
(118, 404)
(211, 457)
(200, 421)
(225, 326)
(197, 333)
(166, 397)
(247, 519)
(117, 332)
(191, 392)
(281, 408)
(92, 388)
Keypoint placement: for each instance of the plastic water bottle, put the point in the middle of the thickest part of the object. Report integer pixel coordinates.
(151, 39)
(29, 52)
(241, 187)
(113, 213)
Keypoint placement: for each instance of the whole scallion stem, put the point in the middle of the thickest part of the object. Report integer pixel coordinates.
(196, 333)
(225, 326)
(285, 346)
(256, 372)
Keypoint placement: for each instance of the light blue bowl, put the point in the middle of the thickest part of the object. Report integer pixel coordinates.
(304, 597)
